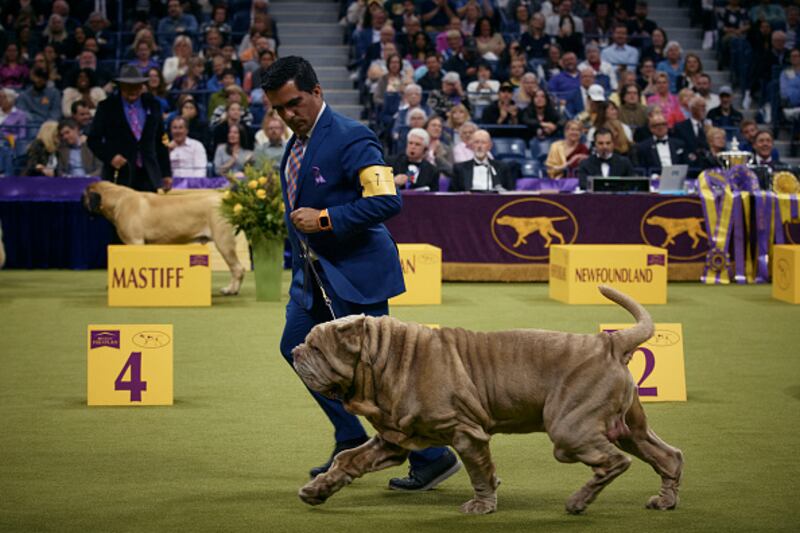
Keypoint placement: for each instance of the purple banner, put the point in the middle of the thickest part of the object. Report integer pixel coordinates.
(198, 260)
(654, 259)
(520, 228)
(108, 338)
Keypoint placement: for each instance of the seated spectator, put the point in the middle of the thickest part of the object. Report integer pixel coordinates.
(55, 34)
(565, 156)
(178, 64)
(144, 58)
(607, 74)
(76, 42)
(106, 40)
(789, 91)
(768, 11)
(264, 26)
(520, 21)
(725, 115)
(220, 96)
(580, 100)
(176, 22)
(436, 14)
(503, 111)
(685, 97)
(393, 81)
(101, 76)
(535, 42)
(656, 51)
(194, 78)
(83, 89)
(692, 131)
(270, 142)
(692, 68)
(232, 62)
(456, 117)
(717, 140)
(440, 150)
(40, 102)
(231, 156)
(407, 33)
(233, 114)
(213, 45)
(450, 40)
(420, 49)
(620, 53)
(646, 80)
(764, 151)
(50, 68)
(82, 114)
(411, 170)
(13, 73)
(563, 84)
(632, 112)
(369, 33)
(488, 40)
(660, 150)
(461, 149)
(412, 99)
(555, 23)
(198, 128)
(541, 117)
(155, 85)
(417, 118)
(703, 88)
(75, 159)
(672, 65)
(607, 117)
(640, 28)
(235, 96)
(219, 20)
(13, 122)
(482, 173)
(668, 103)
(464, 60)
(552, 66)
(254, 78)
(516, 71)
(469, 17)
(483, 91)
(603, 161)
(187, 156)
(600, 27)
(527, 88)
(433, 78)
(42, 152)
(451, 94)
(569, 38)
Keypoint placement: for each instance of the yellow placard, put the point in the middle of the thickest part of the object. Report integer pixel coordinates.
(786, 273)
(636, 269)
(657, 365)
(377, 180)
(129, 364)
(422, 273)
(159, 275)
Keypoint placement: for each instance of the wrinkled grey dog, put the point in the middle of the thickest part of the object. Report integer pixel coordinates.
(422, 387)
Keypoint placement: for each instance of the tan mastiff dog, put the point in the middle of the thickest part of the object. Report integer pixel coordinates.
(149, 218)
(422, 387)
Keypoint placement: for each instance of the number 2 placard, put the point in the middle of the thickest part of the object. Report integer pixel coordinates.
(657, 365)
(129, 364)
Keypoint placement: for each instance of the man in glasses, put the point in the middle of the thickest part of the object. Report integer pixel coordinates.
(660, 150)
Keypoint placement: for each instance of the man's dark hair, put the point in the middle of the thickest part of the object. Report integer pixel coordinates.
(39, 73)
(228, 72)
(290, 68)
(181, 118)
(67, 123)
(602, 131)
(76, 104)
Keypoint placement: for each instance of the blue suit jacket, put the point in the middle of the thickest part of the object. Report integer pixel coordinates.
(359, 258)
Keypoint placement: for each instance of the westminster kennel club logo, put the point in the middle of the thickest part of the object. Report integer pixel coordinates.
(104, 338)
(527, 228)
(678, 226)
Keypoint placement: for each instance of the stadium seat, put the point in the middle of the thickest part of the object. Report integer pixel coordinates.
(509, 148)
(444, 183)
(530, 168)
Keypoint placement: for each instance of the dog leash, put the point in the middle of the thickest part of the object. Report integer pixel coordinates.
(306, 254)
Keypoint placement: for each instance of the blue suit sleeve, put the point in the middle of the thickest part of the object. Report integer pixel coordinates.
(360, 151)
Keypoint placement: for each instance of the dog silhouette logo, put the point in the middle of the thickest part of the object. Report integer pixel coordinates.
(678, 226)
(527, 228)
(151, 339)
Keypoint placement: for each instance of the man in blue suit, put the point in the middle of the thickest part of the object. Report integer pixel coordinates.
(338, 191)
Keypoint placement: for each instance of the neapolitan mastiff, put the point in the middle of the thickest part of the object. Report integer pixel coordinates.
(149, 218)
(422, 387)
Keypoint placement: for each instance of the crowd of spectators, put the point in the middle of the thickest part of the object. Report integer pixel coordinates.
(553, 73)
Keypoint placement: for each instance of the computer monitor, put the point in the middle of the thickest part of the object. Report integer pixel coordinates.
(619, 184)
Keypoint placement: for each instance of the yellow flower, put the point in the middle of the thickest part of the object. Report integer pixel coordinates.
(237, 209)
(282, 207)
(252, 184)
(226, 195)
(261, 193)
(262, 180)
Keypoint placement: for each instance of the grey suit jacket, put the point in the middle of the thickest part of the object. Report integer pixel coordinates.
(91, 164)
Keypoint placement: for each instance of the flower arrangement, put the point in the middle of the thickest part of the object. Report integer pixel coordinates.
(253, 202)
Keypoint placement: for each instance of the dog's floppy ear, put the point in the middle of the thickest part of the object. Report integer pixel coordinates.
(350, 332)
(95, 200)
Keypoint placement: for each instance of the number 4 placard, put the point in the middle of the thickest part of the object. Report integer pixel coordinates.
(129, 364)
(657, 365)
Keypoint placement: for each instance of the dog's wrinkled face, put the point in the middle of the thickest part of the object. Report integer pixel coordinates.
(327, 359)
(92, 199)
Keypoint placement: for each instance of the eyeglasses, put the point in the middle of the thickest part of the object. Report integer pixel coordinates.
(657, 124)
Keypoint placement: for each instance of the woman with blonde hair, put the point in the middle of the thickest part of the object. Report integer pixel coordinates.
(717, 140)
(42, 157)
(565, 155)
(178, 64)
(144, 35)
(457, 117)
(608, 117)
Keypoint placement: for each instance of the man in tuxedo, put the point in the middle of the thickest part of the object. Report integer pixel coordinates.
(127, 135)
(692, 132)
(765, 156)
(481, 173)
(660, 150)
(604, 162)
(411, 170)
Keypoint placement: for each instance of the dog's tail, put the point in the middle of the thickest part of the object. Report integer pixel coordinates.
(625, 341)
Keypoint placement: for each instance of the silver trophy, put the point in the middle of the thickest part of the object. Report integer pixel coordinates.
(734, 156)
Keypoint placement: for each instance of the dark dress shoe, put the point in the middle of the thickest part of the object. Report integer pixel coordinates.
(428, 477)
(340, 447)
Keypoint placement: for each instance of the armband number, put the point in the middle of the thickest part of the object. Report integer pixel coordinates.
(377, 180)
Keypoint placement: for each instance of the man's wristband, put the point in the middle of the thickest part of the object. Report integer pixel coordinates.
(324, 221)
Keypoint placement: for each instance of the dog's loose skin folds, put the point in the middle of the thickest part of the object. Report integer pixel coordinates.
(149, 218)
(422, 387)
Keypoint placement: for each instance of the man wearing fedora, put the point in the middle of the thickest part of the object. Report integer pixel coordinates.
(127, 135)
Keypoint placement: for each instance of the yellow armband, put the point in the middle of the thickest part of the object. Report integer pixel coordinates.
(377, 180)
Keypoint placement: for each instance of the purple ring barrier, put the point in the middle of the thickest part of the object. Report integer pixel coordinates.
(43, 189)
(199, 183)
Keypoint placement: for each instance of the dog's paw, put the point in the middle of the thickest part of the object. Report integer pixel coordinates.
(312, 495)
(227, 291)
(476, 506)
(662, 502)
(576, 504)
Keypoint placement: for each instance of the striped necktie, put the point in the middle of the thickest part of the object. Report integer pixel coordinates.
(293, 169)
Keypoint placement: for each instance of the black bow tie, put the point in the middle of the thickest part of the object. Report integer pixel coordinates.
(662, 141)
(479, 164)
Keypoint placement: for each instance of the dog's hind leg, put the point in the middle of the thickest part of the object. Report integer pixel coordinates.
(665, 460)
(375, 454)
(477, 459)
(225, 241)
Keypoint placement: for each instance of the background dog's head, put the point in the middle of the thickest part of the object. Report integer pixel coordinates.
(92, 199)
(326, 361)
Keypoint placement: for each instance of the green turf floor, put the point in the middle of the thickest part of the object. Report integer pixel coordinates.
(233, 450)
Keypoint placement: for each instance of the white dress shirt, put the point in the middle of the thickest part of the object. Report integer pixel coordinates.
(663, 153)
(188, 160)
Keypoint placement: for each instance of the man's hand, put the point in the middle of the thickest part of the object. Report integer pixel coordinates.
(118, 162)
(400, 179)
(305, 219)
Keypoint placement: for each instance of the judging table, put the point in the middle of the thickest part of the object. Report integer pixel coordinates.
(483, 237)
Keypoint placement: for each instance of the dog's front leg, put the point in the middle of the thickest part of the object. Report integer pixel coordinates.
(375, 454)
(477, 459)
